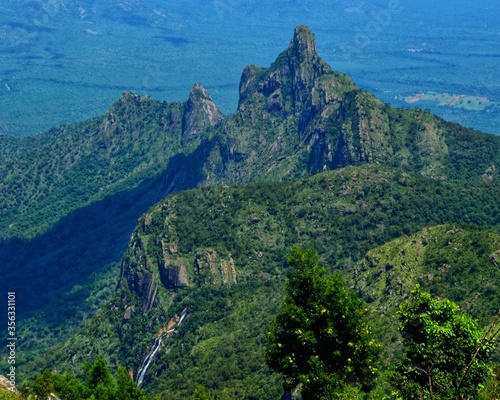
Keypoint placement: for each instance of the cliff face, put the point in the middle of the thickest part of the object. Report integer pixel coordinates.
(213, 269)
(201, 113)
(293, 118)
(154, 261)
(296, 117)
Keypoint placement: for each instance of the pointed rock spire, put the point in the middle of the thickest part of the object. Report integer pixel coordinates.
(288, 84)
(303, 44)
(305, 68)
(201, 112)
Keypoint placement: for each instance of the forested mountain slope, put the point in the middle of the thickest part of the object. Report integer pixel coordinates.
(294, 118)
(70, 199)
(220, 252)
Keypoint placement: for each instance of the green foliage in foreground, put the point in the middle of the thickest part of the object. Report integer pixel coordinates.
(6, 395)
(217, 353)
(460, 263)
(491, 389)
(321, 338)
(342, 214)
(98, 385)
(445, 352)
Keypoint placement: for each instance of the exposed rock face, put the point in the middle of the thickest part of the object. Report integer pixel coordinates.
(293, 118)
(173, 273)
(288, 84)
(172, 322)
(128, 313)
(305, 67)
(201, 112)
(495, 258)
(329, 119)
(148, 290)
(5, 385)
(249, 81)
(141, 275)
(174, 276)
(215, 270)
(490, 173)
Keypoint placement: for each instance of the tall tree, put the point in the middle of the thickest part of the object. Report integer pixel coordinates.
(321, 338)
(445, 352)
(100, 381)
(43, 385)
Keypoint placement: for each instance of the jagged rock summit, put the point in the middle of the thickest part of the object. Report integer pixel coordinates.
(287, 84)
(300, 103)
(305, 66)
(201, 112)
(303, 43)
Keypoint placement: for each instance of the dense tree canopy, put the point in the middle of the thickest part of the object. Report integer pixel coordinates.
(99, 384)
(321, 338)
(445, 352)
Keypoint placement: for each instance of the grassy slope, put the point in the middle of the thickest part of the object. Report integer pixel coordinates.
(458, 263)
(87, 172)
(343, 214)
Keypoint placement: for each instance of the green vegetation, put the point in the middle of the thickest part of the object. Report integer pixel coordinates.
(295, 117)
(445, 352)
(473, 103)
(459, 263)
(98, 384)
(73, 166)
(491, 389)
(6, 395)
(71, 198)
(219, 345)
(343, 214)
(321, 338)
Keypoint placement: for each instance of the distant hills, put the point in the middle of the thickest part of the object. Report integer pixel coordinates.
(307, 158)
(294, 118)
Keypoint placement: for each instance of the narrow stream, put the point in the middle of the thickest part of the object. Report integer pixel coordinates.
(154, 349)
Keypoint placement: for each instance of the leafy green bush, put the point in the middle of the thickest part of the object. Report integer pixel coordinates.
(445, 351)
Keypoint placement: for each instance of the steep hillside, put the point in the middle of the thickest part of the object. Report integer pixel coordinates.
(9, 148)
(294, 118)
(461, 264)
(73, 166)
(70, 198)
(458, 263)
(298, 117)
(219, 252)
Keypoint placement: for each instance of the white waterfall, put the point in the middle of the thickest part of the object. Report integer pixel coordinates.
(148, 359)
(154, 349)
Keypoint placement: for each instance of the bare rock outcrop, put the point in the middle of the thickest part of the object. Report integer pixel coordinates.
(214, 269)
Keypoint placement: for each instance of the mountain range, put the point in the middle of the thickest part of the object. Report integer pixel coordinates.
(391, 197)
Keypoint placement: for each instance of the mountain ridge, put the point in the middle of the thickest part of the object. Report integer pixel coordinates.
(295, 119)
(215, 248)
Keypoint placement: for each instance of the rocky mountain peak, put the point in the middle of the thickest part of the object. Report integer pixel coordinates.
(289, 82)
(201, 112)
(303, 44)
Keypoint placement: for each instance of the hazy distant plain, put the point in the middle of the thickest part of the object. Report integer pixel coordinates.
(63, 61)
